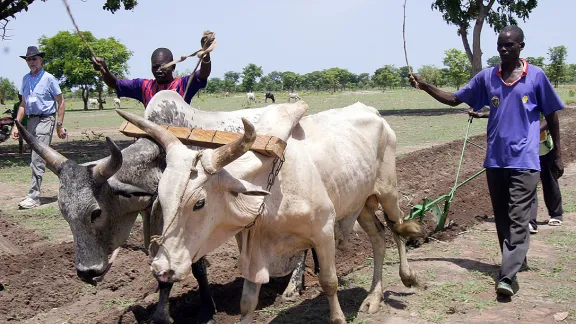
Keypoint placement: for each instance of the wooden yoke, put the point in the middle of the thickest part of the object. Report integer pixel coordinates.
(266, 145)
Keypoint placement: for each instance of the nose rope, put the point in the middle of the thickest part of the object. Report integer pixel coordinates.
(158, 240)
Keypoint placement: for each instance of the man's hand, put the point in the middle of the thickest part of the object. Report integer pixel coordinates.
(99, 65)
(558, 166)
(205, 39)
(61, 132)
(477, 114)
(415, 80)
(15, 133)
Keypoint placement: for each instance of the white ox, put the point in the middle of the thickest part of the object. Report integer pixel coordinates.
(250, 97)
(339, 167)
(117, 102)
(93, 102)
(294, 95)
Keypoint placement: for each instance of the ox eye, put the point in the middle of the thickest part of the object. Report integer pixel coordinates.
(95, 215)
(199, 204)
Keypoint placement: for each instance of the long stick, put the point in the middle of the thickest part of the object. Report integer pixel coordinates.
(78, 29)
(404, 38)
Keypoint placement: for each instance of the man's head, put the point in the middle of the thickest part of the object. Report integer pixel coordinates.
(510, 43)
(160, 57)
(34, 59)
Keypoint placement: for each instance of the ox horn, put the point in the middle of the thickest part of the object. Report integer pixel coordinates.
(53, 159)
(226, 154)
(104, 170)
(160, 134)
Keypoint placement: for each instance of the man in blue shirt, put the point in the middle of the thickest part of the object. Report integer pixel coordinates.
(517, 93)
(40, 93)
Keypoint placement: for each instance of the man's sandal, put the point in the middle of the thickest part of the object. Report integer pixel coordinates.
(554, 222)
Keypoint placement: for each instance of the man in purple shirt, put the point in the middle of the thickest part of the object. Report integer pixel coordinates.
(517, 93)
(144, 89)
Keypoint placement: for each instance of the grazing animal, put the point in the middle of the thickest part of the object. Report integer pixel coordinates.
(117, 102)
(101, 199)
(93, 102)
(339, 167)
(293, 95)
(269, 95)
(250, 97)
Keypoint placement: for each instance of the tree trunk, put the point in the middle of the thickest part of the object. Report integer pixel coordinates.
(85, 97)
(466, 43)
(100, 106)
(477, 51)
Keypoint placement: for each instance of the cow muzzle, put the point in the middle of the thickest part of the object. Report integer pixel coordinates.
(92, 276)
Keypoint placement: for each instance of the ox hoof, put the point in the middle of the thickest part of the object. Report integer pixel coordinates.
(291, 293)
(371, 304)
(338, 320)
(411, 280)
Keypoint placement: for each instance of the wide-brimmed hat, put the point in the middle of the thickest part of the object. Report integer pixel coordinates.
(33, 51)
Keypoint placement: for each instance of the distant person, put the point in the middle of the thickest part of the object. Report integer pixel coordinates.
(144, 89)
(41, 98)
(517, 94)
(550, 187)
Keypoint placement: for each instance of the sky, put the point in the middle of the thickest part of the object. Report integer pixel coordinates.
(297, 35)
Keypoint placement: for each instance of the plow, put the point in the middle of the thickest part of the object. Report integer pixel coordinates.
(440, 206)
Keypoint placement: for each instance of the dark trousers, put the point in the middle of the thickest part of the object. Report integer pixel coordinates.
(512, 193)
(550, 189)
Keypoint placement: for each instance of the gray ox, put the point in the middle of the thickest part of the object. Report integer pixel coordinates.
(100, 200)
(336, 163)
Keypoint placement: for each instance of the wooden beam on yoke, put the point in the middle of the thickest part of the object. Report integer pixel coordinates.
(266, 145)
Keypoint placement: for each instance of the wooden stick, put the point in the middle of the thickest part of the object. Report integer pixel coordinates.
(404, 38)
(266, 145)
(78, 29)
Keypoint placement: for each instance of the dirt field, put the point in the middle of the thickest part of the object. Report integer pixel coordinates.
(38, 282)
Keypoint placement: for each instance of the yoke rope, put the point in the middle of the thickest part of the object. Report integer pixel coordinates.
(201, 53)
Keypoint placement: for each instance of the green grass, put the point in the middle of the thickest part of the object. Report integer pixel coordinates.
(117, 302)
(448, 297)
(47, 221)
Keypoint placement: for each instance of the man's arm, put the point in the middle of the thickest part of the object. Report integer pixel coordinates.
(19, 118)
(543, 125)
(447, 98)
(554, 128)
(107, 76)
(205, 68)
(61, 107)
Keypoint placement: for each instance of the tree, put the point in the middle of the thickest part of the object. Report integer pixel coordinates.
(9, 9)
(214, 85)
(463, 13)
(431, 74)
(230, 80)
(538, 61)
(363, 80)
(68, 59)
(556, 70)
(289, 80)
(493, 61)
(387, 76)
(249, 75)
(404, 77)
(458, 67)
(8, 90)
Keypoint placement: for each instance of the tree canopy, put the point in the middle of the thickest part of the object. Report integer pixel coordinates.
(9, 9)
(498, 14)
(68, 59)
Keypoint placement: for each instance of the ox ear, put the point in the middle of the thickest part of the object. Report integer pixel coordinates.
(124, 189)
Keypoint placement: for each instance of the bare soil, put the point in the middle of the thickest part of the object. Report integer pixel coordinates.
(38, 282)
